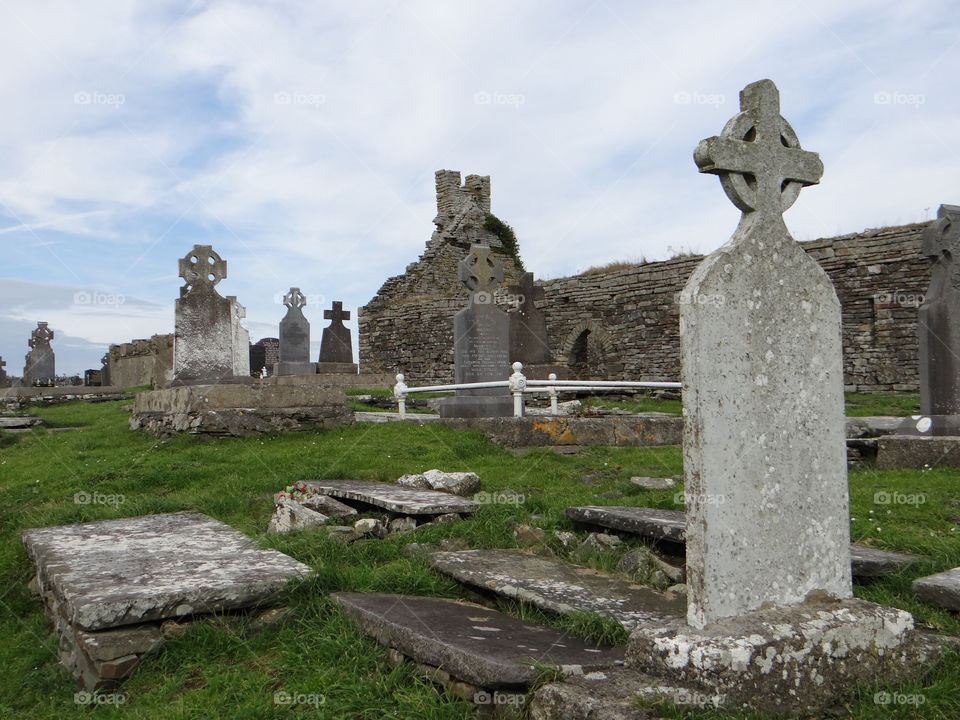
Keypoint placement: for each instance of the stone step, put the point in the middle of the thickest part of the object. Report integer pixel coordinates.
(942, 589)
(559, 586)
(406, 501)
(472, 643)
(866, 562)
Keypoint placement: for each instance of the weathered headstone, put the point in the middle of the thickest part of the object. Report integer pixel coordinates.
(336, 345)
(204, 321)
(4, 380)
(265, 353)
(528, 326)
(295, 337)
(764, 440)
(92, 378)
(40, 365)
(105, 370)
(241, 339)
(481, 341)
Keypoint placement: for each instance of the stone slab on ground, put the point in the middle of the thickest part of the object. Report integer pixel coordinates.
(559, 586)
(670, 525)
(872, 426)
(653, 483)
(19, 423)
(385, 417)
(132, 570)
(942, 589)
(396, 499)
(915, 452)
(470, 642)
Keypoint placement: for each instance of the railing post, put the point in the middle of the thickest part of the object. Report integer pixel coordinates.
(553, 392)
(400, 393)
(518, 383)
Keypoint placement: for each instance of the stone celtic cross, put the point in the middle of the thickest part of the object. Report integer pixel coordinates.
(479, 272)
(202, 267)
(295, 298)
(336, 313)
(758, 156)
(527, 291)
(941, 244)
(42, 335)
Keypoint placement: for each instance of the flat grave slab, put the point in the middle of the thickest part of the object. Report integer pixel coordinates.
(942, 589)
(559, 586)
(866, 562)
(132, 570)
(470, 642)
(394, 498)
(19, 422)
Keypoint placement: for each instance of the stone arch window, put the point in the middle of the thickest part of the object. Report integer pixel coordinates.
(587, 351)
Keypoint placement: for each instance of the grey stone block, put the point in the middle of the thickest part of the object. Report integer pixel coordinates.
(407, 501)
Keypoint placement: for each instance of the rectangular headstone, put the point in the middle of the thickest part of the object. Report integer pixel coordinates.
(395, 498)
(295, 337)
(133, 570)
(472, 643)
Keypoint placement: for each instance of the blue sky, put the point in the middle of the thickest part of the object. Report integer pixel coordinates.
(301, 139)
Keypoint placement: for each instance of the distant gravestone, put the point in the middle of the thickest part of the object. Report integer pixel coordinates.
(204, 321)
(528, 326)
(336, 345)
(265, 354)
(295, 337)
(4, 380)
(92, 378)
(105, 370)
(40, 366)
(481, 341)
(764, 449)
(241, 339)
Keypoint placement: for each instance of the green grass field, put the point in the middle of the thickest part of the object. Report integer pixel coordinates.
(228, 669)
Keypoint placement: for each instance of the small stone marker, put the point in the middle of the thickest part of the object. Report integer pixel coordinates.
(762, 367)
(336, 345)
(241, 339)
(559, 586)
(470, 642)
(942, 589)
(481, 341)
(652, 483)
(295, 337)
(406, 501)
(528, 326)
(204, 334)
(40, 365)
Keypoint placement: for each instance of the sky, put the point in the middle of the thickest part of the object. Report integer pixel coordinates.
(301, 140)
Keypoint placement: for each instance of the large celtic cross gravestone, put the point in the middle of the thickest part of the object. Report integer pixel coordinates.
(764, 448)
(295, 337)
(336, 345)
(204, 322)
(528, 326)
(40, 365)
(481, 341)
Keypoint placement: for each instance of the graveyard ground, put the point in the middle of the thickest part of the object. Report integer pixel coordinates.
(232, 667)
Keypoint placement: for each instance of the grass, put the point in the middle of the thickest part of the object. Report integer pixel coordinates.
(223, 668)
(898, 404)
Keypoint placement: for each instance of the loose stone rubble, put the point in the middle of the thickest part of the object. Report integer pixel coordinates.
(942, 589)
(464, 484)
(405, 501)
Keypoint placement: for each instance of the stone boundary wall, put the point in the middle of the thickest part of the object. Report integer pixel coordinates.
(626, 322)
(142, 362)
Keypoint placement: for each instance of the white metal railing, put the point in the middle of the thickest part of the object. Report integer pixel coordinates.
(518, 385)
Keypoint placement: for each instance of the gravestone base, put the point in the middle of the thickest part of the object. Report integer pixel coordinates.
(285, 367)
(896, 452)
(798, 660)
(477, 406)
(541, 371)
(336, 368)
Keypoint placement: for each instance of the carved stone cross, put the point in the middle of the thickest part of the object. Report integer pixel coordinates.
(336, 313)
(42, 335)
(758, 156)
(527, 291)
(295, 298)
(202, 267)
(941, 244)
(479, 272)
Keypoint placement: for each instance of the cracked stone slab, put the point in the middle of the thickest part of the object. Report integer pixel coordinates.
(471, 642)
(407, 501)
(19, 422)
(560, 586)
(132, 570)
(942, 589)
(866, 562)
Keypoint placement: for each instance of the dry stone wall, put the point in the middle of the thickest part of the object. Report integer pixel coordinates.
(142, 362)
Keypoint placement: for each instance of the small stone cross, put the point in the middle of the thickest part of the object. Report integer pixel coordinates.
(336, 313)
(758, 156)
(42, 334)
(526, 291)
(941, 241)
(295, 298)
(478, 272)
(202, 266)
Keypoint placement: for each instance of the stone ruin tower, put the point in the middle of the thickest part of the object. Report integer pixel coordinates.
(421, 303)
